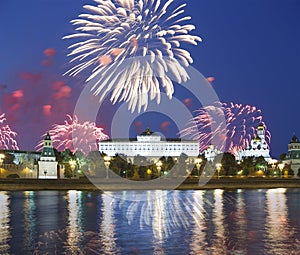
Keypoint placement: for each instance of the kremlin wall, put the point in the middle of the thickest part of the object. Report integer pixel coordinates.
(46, 165)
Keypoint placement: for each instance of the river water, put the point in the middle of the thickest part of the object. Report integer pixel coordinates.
(150, 222)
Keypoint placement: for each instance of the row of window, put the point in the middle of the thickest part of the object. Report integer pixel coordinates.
(144, 148)
(295, 147)
(47, 153)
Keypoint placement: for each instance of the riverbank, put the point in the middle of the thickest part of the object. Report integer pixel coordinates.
(115, 184)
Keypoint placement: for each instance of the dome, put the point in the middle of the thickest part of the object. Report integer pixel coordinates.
(147, 132)
(257, 139)
(261, 126)
(47, 137)
(295, 139)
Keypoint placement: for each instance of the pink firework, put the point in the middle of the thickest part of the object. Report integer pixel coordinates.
(76, 136)
(236, 133)
(7, 136)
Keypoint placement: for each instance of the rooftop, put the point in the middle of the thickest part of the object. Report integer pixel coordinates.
(295, 139)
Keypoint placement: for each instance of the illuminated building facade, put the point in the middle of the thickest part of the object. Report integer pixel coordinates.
(258, 146)
(149, 144)
(211, 152)
(293, 156)
(47, 162)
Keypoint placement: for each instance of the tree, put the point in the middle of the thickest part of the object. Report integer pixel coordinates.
(181, 169)
(118, 165)
(167, 164)
(58, 156)
(140, 166)
(261, 163)
(67, 155)
(282, 156)
(95, 164)
(9, 158)
(287, 170)
(81, 162)
(68, 171)
(229, 165)
(247, 165)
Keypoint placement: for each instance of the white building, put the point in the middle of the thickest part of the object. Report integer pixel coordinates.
(211, 152)
(149, 144)
(47, 162)
(293, 156)
(258, 146)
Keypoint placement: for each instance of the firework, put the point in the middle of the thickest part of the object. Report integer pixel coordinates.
(7, 136)
(240, 125)
(148, 30)
(75, 135)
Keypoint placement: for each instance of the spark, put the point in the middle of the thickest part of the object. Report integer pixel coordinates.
(7, 136)
(241, 121)
(148, 32)
(75, 135)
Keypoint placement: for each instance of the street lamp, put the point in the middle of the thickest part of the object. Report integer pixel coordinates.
(72, 165)
(2, 156)
(281, 166)
(158, 167)
(198, 162)
(107, 164)
(273, 165)
(149, 172)
(218, 166)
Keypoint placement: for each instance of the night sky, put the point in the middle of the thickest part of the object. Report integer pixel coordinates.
(251, 47)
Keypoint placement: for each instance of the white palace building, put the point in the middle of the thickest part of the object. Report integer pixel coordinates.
(149, 144)
(258, 146)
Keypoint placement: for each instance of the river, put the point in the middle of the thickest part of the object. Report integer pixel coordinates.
(265, 221)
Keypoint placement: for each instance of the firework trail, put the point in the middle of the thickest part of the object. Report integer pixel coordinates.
(241, 123)
(75, 136)
(116, 30)
(7, 136)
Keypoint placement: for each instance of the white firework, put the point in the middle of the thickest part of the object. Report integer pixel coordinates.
(150, 32)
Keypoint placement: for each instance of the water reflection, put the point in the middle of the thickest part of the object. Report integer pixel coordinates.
(74, 231)
(4, 223)
(279, 232)
(239, 224)
(168, 222)
(160, 226)
(29, 220)
(218, 243)
(107, 226)
(198, 242)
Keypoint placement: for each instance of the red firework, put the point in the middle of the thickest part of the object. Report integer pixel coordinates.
(7, 136)
(240, 122)
(75, 135)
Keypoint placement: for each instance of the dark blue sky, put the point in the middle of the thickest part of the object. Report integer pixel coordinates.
(251, 47)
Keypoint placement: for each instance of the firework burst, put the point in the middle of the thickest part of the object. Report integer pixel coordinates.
(240, 126)
(147, 30)
(7, 136)
(76, 136)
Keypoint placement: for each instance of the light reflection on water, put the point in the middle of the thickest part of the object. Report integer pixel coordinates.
(168, 222)
(74, 231)
(107, 225)
(4, 223)
(280, 234)
(29, 220)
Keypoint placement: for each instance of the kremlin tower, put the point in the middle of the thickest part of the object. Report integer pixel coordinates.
(47, 162)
